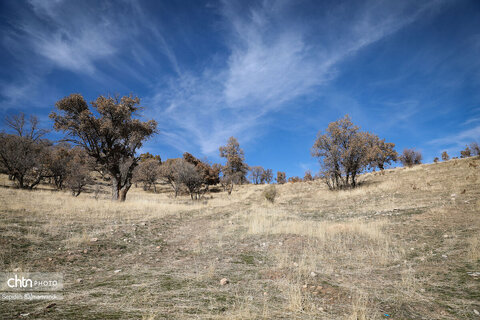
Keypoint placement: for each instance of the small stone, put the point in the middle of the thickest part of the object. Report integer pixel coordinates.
(320, 309)
(93, 239)
(445, 235)
(24, 315)
(265, 293)
(476, 312)
(412, 249)
(224, 281)
(453, 195)
(158, 247)
(85, 251)
(117, 271)
(422, 290)
(304, 286)
(50, 259)
(79, 280)
(295, 264)
(313, 274)
(444, 256)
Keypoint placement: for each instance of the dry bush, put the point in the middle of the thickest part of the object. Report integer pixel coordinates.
(270, 193)
(410, 157)
(445, 156)
(281, 177)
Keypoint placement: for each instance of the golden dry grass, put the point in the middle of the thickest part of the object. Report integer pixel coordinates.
(403, 244)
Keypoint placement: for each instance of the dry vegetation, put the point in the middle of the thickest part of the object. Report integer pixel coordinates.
(404, 245)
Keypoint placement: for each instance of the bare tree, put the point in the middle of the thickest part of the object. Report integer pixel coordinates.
(79, 170)
(210, 174)
(256, 174)
(308, 176)
(25, 128)
(410, 157)
(445, 156)
(112, 138)
(344, 152)
(475, 148)
(167, 173)
(24, 159)
(466, 152)
(23, 155)
(267, 176)
(236, 169)
(57, 163)
(147, 172)
(281, 177)
(188, 175)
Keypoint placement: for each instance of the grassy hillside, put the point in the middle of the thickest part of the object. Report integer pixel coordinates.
(404, 245)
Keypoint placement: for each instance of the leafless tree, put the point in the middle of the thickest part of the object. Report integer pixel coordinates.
(281, 177)
(475, 148)
(167, 173)
(235, 170)
(308, 176)
(411, 157)
(79, 169)
(445, 156)
(344, 152)
(24, 155)
(188, 175)
(256, 174)
(267, 176)
(147, 173)
(466, 152)
(112, 138)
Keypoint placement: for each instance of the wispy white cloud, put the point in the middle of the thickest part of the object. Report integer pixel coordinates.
(459, 139)
(274, 59)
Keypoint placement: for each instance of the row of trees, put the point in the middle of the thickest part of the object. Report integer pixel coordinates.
(470, 151)
(107, 135)
(28, 159)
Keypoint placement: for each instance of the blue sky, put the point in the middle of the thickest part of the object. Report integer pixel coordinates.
(271, 73)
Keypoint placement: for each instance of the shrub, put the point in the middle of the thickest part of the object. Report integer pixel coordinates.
(445, 156)
(294, 179)
(281, 177)
(410, 157)
(436, 159)
(475, 149)
(308, 176)
(466, 153)
(270, 193)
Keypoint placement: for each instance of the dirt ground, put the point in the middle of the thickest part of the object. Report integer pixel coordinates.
(403, 245)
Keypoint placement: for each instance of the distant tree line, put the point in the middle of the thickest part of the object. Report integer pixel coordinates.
(105, 138)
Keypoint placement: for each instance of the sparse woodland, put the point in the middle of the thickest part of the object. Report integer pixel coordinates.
(360, 239)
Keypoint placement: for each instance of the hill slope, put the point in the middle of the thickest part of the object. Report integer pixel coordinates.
(405, 244)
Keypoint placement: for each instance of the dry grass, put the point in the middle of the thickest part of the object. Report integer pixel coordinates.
(404, 243)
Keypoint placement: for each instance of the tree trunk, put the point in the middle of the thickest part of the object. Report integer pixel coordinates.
(124, 190)
(115, 188)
